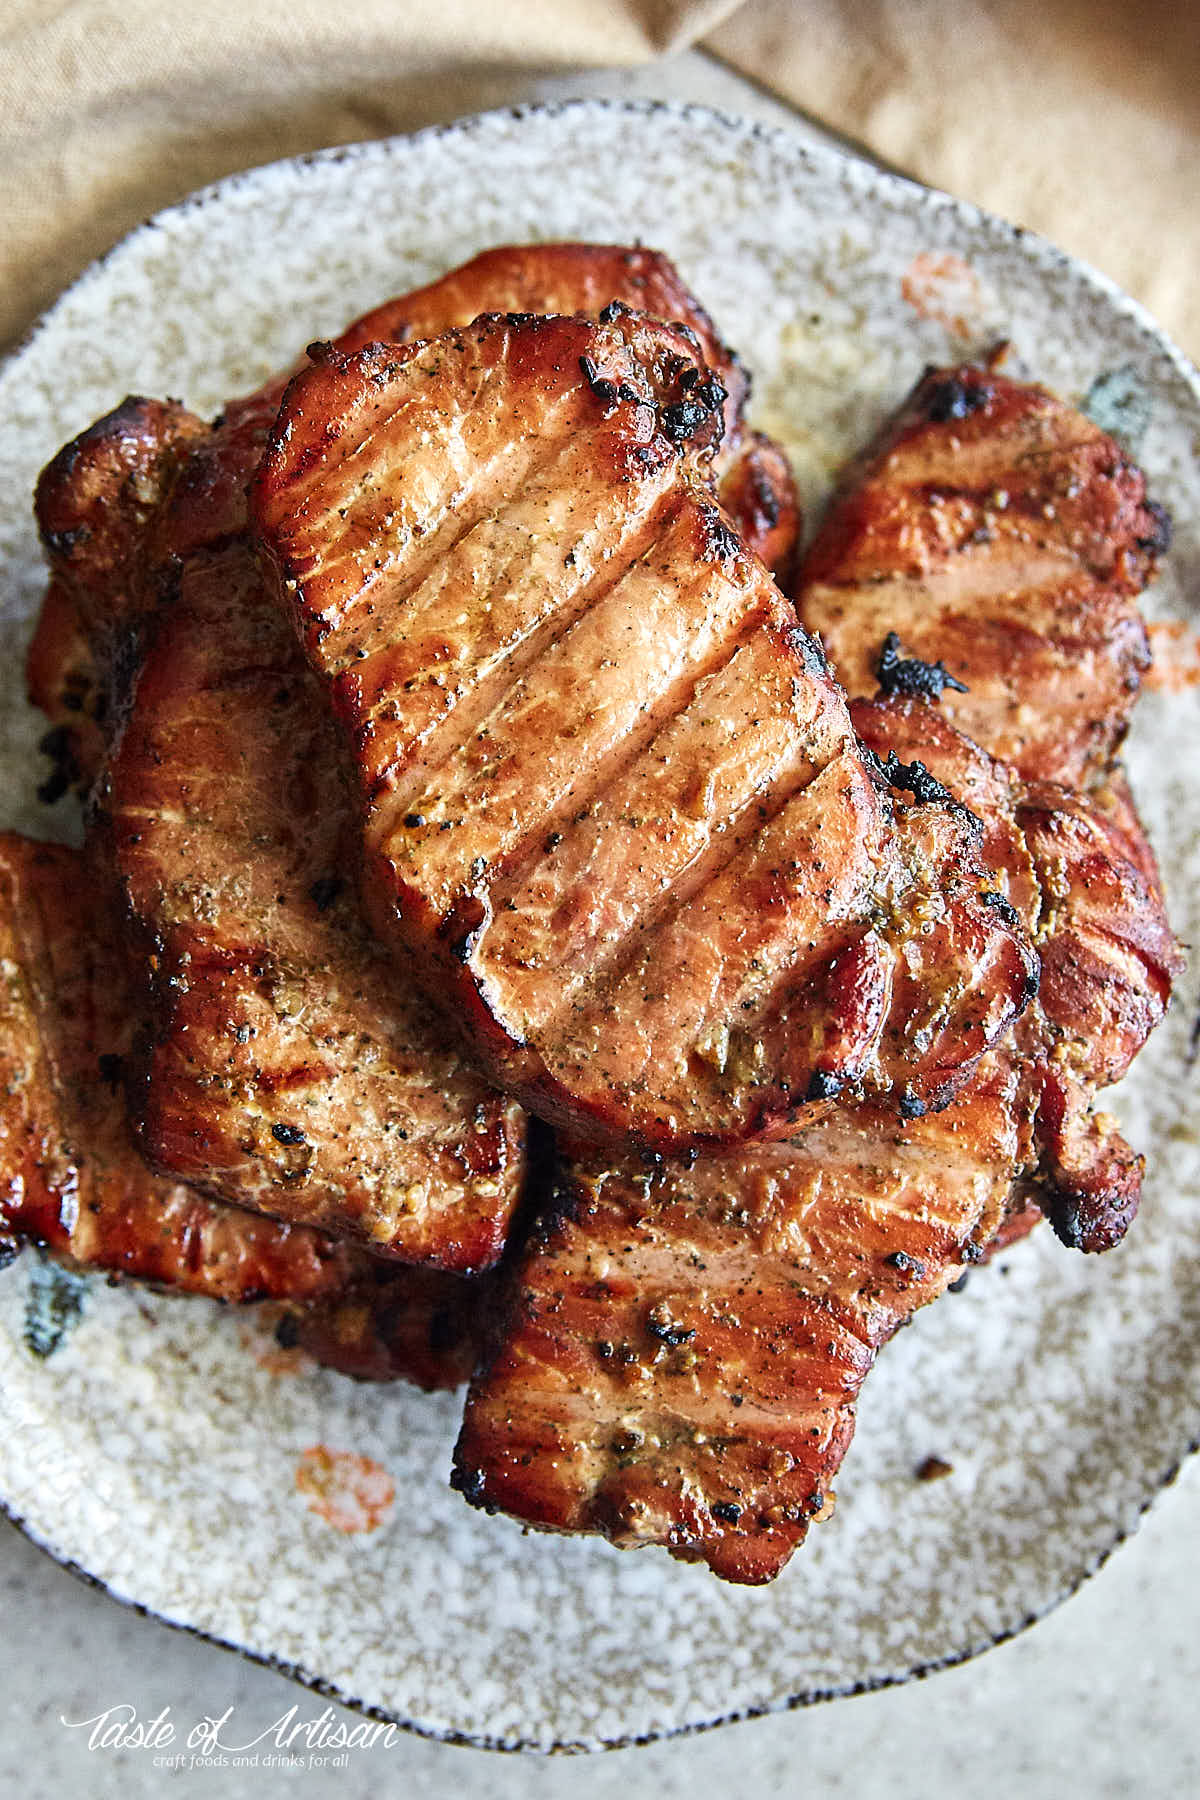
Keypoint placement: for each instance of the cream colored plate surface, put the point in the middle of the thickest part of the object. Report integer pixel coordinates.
(155, 1447)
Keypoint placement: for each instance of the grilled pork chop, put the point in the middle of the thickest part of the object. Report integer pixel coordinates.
(291, 1066)
(108, 534)
(754, 481)
(72, 1181)
(1076, 869)
(681, 1349)
(613, 805)
(1004, 536)
(70, 1178)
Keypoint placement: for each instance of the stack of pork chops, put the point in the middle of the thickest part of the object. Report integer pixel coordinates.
(545, 933)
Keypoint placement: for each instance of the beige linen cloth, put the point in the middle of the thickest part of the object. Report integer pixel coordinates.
(1076, 117)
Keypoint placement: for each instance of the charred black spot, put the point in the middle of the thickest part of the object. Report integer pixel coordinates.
(472, 1485)
(1004, 908)
(684, 418)
(288, 1134)
(112, 1069)
(319, 351)
(766, 500)
(287, 1332)
(915, 779)
(65, 773)
(954, 398)
(972, 1252)
(823, 1084)
(443, 1333)
(909, 676)
(616, 309)
(809, 649)
(414, 821)
(660, 1325)
(461, 928)
(958, 1287)
(905, 1264)
(10, 1249)
(61, 543)
(324, 891)
(720, 540)
(1158, 541)
(912, 1106)
(726, 1511)
(604, 389)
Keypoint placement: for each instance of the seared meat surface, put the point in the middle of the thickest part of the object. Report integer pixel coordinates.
(1000, 532)
(63, 681)
(411, 1324)
(678, 1354)
(613, 805)
(291, 1066)
(150, 482)
(754, 481)
(1072, 867)
(96, 502)
(70, 1176)
(680, 1350)
(72, 1181)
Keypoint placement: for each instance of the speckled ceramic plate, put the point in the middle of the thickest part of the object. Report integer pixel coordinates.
(158, 1445)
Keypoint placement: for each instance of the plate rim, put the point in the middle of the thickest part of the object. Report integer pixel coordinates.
(855, 170)
(464, 1740)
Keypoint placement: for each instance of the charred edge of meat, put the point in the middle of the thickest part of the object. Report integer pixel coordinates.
(10, 1249)
(1090, 1218)
(908, 676)
(548, 1199)
(472, 1485)
(824, 1085)
(720, 540)
(915, 779)
(65, 773)
(325, 890)
(704, 399)
(1001, 904)
(463, 926)
(955, 398)
(809, 648)
(1158, 541)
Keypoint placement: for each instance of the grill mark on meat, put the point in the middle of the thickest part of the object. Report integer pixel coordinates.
(460, 510)
(679, 1352)
(223, 806)
(645, 654)
(70, 1177)
(645, 842)
(399, 751)
(437, 855)
(1009, 541)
